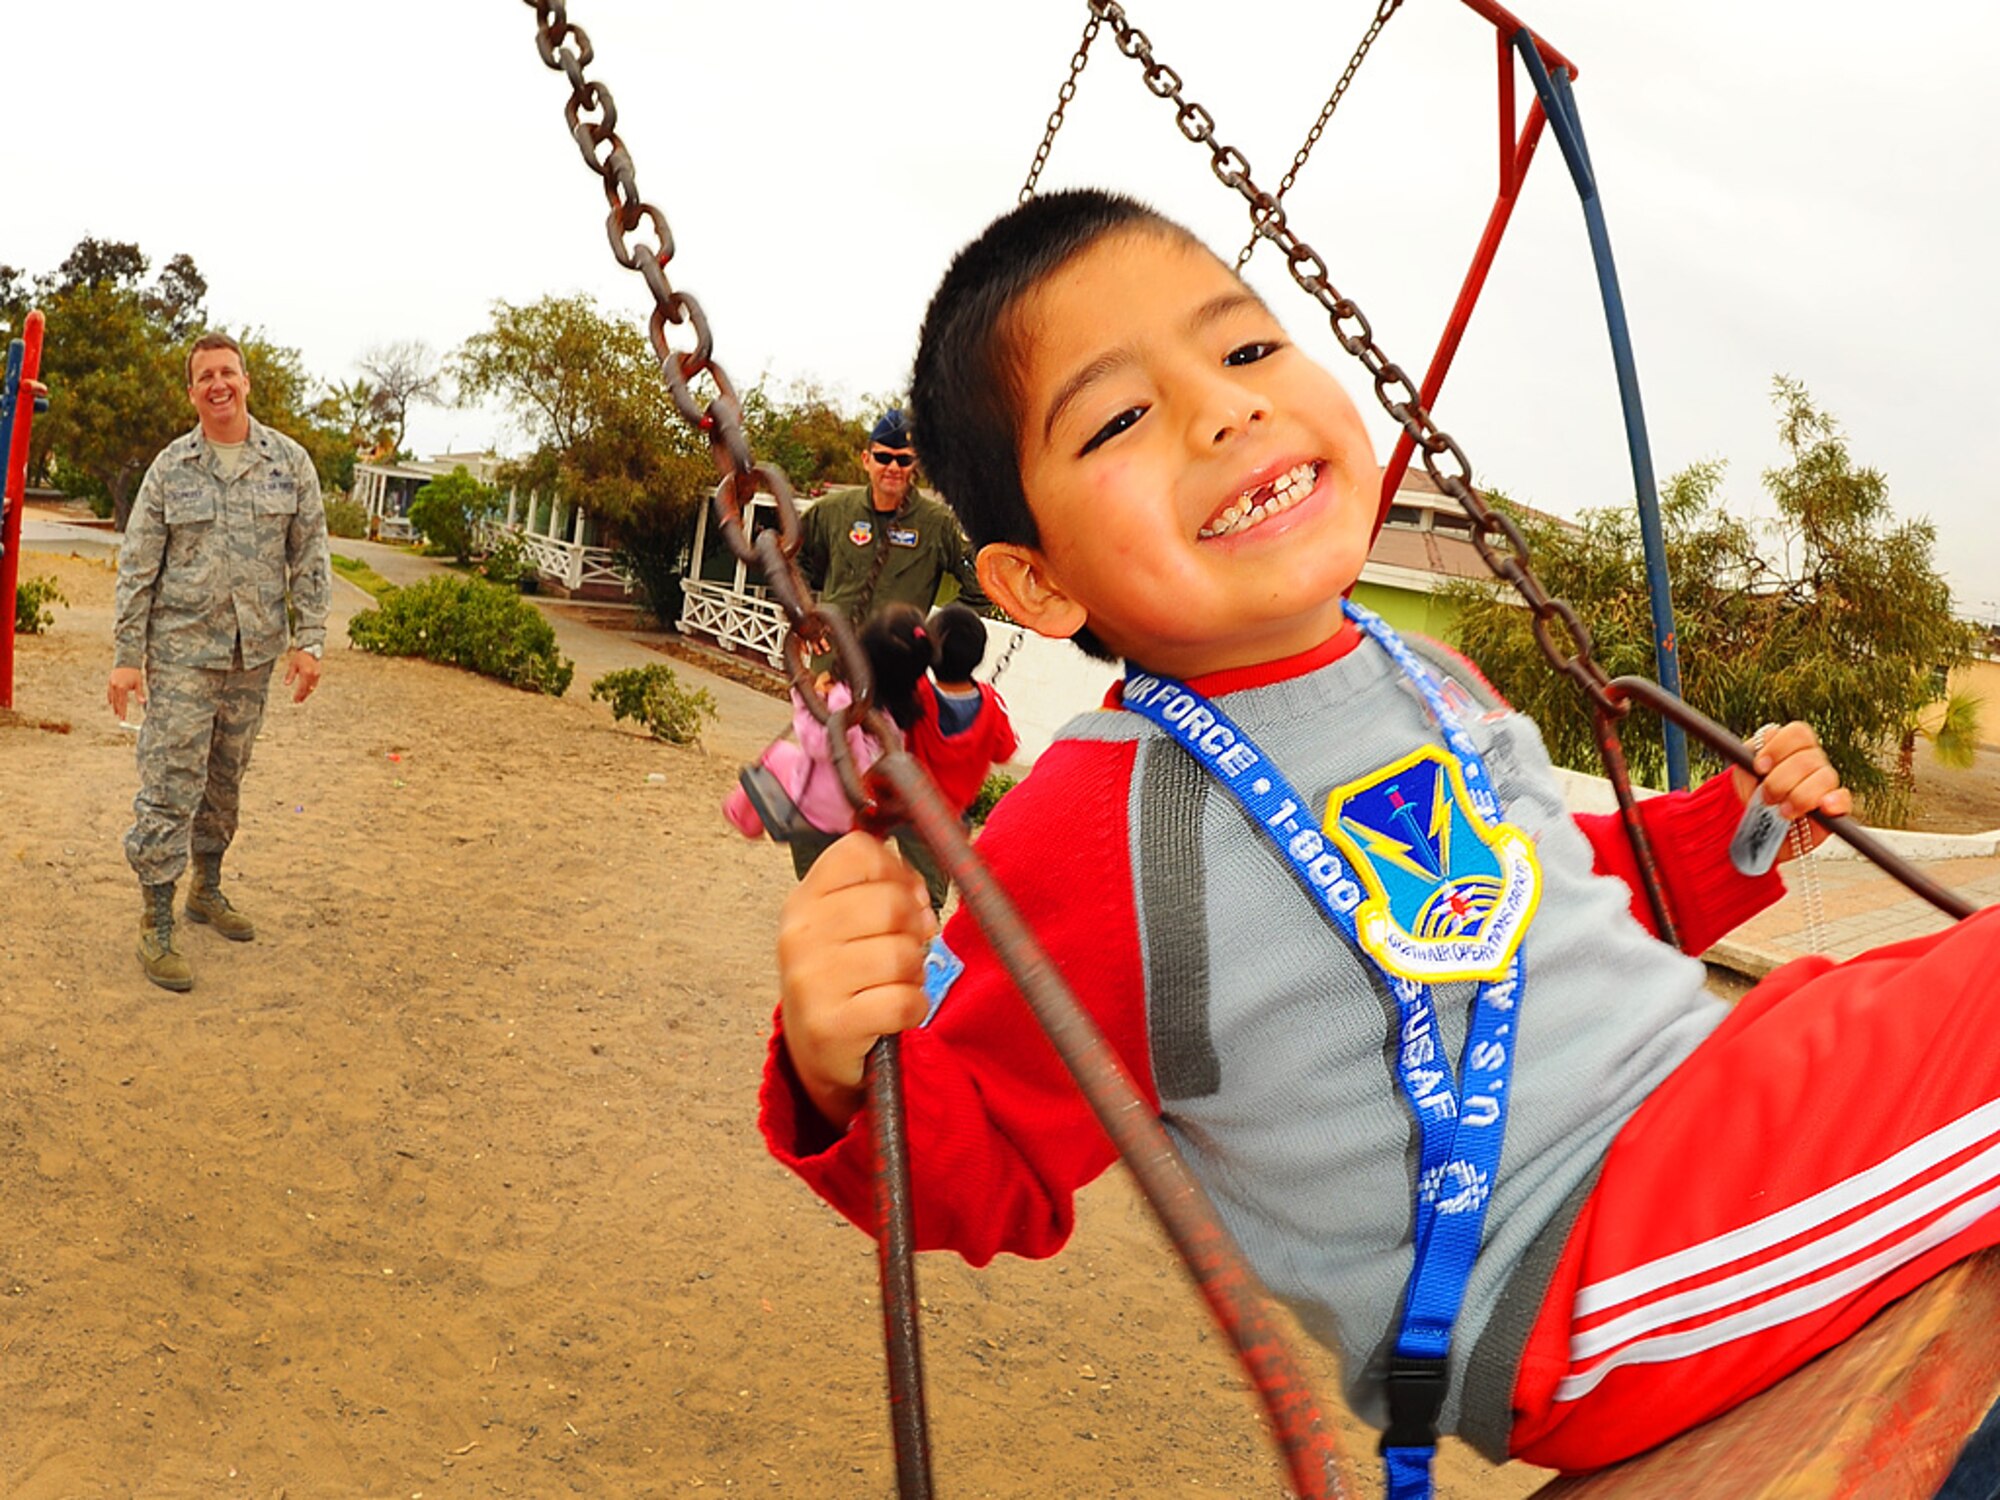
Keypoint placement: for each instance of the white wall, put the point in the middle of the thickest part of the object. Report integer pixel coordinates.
(1046, 683)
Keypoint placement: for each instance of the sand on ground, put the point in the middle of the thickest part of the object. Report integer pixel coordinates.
(450, 1184)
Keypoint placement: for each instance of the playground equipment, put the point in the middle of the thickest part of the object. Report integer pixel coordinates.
(896, 791)
(22, 397)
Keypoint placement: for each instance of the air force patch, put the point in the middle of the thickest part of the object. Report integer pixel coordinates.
(1449, 894)
(862, 532)
(942, 968)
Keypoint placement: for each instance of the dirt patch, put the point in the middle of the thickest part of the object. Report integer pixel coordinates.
(1955, 801)
(450, 1182)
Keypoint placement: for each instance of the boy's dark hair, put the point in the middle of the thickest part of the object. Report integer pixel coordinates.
(214, 339)
(961, 642)
(900, 651)
(965, 394)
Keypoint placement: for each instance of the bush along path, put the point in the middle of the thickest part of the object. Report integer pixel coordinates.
(463, 622)
(654, 696)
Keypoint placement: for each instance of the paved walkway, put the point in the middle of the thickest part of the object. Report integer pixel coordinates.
(1857, 905)
(41, 532)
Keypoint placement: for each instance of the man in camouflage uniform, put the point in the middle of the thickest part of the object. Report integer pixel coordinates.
(228, 523)
(886, 544)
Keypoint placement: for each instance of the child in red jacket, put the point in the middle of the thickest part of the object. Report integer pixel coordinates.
(963, 730)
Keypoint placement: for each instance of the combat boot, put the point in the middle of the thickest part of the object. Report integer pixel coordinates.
(164, 964)
(206, 903)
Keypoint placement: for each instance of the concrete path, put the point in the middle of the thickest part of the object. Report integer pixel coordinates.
(41, 532)
(1858, 907)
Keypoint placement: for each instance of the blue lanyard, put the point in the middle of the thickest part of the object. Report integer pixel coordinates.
(1460, 1129)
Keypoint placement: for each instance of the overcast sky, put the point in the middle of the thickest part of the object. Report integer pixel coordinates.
(1796, 186)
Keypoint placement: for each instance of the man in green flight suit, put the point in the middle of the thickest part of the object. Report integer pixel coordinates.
(886, 544)
(228, 525)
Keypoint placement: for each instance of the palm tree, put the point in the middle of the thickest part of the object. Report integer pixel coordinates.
(1951, 723)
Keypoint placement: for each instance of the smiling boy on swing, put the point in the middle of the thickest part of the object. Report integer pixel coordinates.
(1319, 889)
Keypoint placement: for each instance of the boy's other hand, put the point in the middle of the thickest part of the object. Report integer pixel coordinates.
(1796, 779)
(851, 944)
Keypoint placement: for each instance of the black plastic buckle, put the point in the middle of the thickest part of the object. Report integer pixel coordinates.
(1416, 1400)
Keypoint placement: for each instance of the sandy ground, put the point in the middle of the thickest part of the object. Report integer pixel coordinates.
(449, 1184)
(1950, 800)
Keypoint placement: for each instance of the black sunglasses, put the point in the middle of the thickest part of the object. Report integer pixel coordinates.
(900, 460)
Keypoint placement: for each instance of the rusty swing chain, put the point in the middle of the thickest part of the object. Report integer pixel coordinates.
(1494, 534)
(1387, 9)
(1393, 388)
(896, 790)
(1063, 95)
(1499, 541)
(592, 116)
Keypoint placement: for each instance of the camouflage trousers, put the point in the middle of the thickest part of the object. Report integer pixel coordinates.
(193, 749)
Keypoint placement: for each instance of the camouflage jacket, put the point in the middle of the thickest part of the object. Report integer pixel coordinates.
(206, 562)
(922, 540)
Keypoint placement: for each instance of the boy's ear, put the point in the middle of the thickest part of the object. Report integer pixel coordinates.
(1018, 579)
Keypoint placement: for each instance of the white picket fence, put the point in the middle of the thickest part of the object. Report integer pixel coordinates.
(738, 621)
(559, 559)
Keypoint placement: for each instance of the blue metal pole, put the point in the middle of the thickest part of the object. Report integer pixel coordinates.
(9, 394)
(1559, 104)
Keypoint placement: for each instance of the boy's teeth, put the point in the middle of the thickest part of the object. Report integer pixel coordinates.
(1265, 501)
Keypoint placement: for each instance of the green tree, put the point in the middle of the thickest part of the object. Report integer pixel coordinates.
(1834, 613)
(1950, 723)
(448, 510)
(281, 398)
(588, 391)
(356, 412)
(114, 360)
(805, 433)
(15, 301)
(117, 393)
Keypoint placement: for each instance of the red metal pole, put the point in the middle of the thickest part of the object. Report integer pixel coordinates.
(17, 492)
(1468, 297)
(1514, 158)
(1507, 24)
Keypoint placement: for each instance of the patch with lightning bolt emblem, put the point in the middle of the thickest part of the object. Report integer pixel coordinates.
(1450, 895)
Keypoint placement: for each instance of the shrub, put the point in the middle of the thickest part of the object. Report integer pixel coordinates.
(462, 622)
(347, 518)
(32, 598)
(654, 697)
(505, 561)
(447, 510)
(991, 791)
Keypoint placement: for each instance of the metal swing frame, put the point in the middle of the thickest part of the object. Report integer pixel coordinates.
(897, 791)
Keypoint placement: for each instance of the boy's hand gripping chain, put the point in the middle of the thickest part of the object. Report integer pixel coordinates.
(897, 791)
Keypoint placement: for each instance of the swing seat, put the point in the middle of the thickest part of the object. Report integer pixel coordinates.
(1881, 1417)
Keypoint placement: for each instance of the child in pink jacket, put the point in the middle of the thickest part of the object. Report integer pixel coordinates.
(810, 810)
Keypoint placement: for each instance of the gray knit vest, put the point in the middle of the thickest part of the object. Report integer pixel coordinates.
(1272, 1042)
